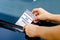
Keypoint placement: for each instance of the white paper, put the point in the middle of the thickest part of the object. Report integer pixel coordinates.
(27, 17)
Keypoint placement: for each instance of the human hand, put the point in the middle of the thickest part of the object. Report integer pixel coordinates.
(31, 30)
(41, 14)
(35, 31)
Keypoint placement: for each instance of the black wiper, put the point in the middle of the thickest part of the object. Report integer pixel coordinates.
(10, 26)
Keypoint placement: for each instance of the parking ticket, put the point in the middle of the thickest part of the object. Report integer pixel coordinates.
(27, 17)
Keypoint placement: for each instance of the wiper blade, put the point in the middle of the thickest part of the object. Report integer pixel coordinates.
(10, 26)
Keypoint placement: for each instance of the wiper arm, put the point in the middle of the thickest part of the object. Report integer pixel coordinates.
(10, 26)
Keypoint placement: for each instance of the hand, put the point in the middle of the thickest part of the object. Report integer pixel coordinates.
(31, 30)
(41, 14)
(36, 31)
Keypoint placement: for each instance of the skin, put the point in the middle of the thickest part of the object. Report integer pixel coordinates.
(47, 33)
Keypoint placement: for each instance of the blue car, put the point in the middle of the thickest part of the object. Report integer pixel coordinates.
(11, 10)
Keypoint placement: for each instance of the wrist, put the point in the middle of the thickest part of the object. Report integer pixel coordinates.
(51, 17)
(44, 32)
(41, 31)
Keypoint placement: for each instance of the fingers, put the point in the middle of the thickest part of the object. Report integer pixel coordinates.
(27, 30)
(24, 28)
(35, 11)
(38, 11)
(37, 19)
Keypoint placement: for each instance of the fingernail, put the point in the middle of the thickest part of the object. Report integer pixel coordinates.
(35, 21)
